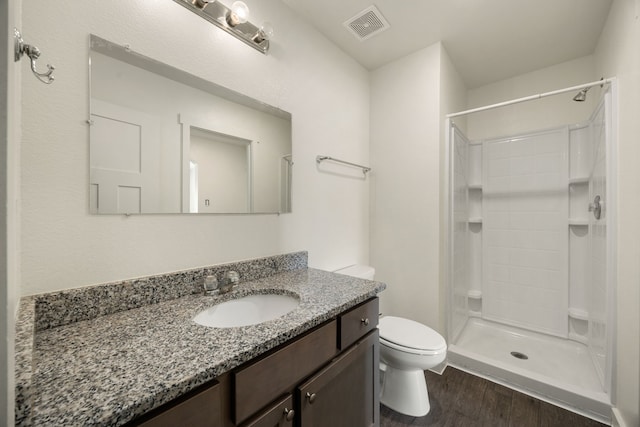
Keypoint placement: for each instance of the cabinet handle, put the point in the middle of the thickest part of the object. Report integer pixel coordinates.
(289, 414)
(311, 397)
(365, 321)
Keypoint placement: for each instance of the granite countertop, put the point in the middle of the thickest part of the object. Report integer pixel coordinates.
(114, 368)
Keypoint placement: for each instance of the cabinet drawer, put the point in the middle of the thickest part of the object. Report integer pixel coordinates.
(198, 409)
(278, 373)
(280, 414)
(357, 322)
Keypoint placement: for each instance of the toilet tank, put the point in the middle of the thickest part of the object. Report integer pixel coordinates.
(358, 270)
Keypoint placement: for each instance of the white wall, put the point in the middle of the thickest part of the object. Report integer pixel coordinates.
(222, 173)
(410, 98)
(617, 55)
(10, 98)
(534, 115)
(405, 155)
(326, 92)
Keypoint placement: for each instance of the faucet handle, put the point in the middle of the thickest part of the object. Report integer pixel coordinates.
(210, 284)
(232, 276)
(229, 280)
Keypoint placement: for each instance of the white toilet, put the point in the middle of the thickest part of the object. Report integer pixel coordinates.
(407, 348)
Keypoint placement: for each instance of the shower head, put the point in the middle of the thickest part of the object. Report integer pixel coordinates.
(582, 95)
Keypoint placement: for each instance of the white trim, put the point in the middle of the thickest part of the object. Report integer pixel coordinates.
(612, 233)
(187, 122)
(616, 418)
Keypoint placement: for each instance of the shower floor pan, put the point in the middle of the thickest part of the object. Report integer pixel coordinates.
(555, 370)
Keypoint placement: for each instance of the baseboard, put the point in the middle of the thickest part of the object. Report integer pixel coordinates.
(439, 369)
(616, 418)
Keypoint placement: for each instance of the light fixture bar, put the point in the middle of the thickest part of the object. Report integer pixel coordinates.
(216, 13)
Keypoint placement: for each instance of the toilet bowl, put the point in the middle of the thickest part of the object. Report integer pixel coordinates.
(407, 349)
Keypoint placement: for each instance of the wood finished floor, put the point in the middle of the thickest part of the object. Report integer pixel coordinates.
(459, 399)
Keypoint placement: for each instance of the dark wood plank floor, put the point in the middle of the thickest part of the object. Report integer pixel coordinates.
(459, 399)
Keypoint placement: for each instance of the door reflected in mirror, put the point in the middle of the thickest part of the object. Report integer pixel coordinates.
(165, 141)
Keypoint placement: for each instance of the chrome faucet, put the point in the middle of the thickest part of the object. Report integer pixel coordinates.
(229, 280)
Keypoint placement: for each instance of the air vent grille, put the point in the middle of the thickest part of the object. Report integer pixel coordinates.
(367, 23)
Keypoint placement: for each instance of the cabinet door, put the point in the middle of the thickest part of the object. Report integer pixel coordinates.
(271, 376)
(280, 414)
(198, 409)
(345, 393)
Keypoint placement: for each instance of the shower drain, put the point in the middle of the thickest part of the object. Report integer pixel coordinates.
(519, 355)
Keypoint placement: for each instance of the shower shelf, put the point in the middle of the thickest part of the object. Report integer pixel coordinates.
(578, 313)
(475, 220)
(579, 180)
(475, 186)
(474, 293)
(578, 221)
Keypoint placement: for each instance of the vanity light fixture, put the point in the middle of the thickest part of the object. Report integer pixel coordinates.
(233, 20)
(200, 4)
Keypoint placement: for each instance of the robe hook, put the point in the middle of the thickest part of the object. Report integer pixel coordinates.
(22, 48)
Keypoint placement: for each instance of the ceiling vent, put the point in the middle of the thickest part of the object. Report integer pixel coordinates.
(367, 23)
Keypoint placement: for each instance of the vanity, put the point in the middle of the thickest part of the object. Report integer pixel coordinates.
(326, 377)
(152, 365)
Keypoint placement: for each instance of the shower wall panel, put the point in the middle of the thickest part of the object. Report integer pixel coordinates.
(598, 296)
(460, 230)
(525, 239)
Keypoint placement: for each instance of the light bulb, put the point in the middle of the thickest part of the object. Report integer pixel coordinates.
(265, 32)
(239, 14)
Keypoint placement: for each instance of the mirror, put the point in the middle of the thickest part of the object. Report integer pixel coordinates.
(165, 141)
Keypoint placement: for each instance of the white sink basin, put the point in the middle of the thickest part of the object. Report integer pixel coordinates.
(249, 310)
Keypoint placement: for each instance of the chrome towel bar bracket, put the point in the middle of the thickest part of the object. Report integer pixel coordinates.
(320, 159)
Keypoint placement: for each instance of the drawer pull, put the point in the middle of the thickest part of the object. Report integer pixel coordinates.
(365, 321)
(311, 397)
(289, 414)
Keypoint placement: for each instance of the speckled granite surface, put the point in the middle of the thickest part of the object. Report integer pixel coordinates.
(25, 330)
(110, 369)
(73, 305)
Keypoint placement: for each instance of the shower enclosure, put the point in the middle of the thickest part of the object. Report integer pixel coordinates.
(531, 257)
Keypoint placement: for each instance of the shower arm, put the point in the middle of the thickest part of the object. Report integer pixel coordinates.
(531, 97)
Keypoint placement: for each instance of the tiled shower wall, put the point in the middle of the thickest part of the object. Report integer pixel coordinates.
(525, 245)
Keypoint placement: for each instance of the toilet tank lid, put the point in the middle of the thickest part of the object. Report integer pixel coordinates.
(358, 270)
(410, 334)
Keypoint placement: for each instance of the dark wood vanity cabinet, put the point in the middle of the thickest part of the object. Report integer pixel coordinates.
(344, 393)
(328, 377)
(201, 407)
(259, 382)
(279, 414)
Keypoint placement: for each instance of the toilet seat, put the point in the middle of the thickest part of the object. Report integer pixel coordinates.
(412, 350)
(409, 336)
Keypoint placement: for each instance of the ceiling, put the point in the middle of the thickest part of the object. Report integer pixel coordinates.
(487, 40)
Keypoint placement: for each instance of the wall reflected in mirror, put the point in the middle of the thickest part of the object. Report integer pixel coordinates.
(165, 141)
